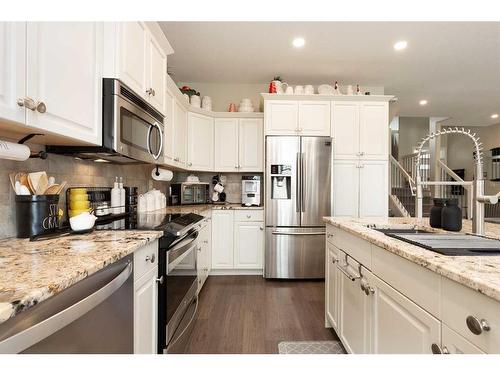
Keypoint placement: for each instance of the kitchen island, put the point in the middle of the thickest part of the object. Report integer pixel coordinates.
(384, 295)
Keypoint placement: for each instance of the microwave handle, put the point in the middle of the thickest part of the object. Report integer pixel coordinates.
(148, 140)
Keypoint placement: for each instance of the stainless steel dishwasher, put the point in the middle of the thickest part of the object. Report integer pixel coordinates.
(93, 316)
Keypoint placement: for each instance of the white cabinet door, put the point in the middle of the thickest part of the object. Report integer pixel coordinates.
(251, 145)
(157, 74)
(281, 117)
(64, 71)
(354, 310)
(345, 130)
(248, 245)
(226, 145)
(200, 142)
(180, 134)
(373, 189)
(133, 56)
(168, 123)
(12, 70)
(222, 239)
(146, 314)
(203, 260)
(332, 286)
(374, 130)
(345, 188)
(453, 343)
(314, 118)
(399, 325)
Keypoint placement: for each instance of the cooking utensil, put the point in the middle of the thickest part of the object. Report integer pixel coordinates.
(38, 182)
(62, 185)
(12, 177)
(52, 189)
(23, 190)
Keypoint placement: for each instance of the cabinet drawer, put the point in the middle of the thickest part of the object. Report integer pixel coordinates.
(417, 283)
(145, 259)
(461, 302)
(354, 246)
(329, 233)
(249, 215)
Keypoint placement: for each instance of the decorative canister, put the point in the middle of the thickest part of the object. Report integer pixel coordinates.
(36, 214)
(451, 215)
(435, 215)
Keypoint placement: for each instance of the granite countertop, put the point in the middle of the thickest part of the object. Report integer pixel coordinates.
(481, 273)
(31, 272)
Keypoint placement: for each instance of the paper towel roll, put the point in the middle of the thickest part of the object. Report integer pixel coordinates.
(14, 151)
(163, 174)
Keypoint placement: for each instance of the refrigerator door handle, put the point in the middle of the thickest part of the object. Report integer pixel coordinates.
(298, 178)
(275, 232)
(302, 183)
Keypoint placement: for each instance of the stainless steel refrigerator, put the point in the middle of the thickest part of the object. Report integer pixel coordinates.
(298, 186)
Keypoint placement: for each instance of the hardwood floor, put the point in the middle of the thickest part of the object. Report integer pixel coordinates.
(248, 314)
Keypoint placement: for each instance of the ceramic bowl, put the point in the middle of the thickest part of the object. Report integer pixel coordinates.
(83, 221)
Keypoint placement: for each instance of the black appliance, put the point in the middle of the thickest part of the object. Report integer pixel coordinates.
(177, 273)
(132, 130)
(190, 193)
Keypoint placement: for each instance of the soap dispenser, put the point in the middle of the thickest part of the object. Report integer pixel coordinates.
(115, 198)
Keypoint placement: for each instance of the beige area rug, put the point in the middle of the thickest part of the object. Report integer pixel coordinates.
(310, 347)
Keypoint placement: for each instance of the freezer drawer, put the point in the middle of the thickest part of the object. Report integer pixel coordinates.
(295, 253)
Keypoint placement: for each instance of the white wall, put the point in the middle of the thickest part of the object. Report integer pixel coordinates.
(411, 132)
(225, 93)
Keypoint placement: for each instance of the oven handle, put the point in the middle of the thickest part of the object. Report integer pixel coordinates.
(148, 140)
(182, 247)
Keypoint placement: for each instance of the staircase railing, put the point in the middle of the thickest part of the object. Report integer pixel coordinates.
(402, 186)
(409, 163)
(463, 193)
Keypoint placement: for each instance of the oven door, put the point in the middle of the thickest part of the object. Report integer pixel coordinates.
(181, 288)
(139, 135)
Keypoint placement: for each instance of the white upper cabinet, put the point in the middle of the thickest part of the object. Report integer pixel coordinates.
(239, 145)
(12, 70)
(314, 118)
(180, 134)
(142, 63)
(399, 325)
(168, 124)
(64, 77)
(157, 74)
(345, 130)
(360, 130)
(200, 142)
(251, 145)
(292, 117)
(374, 130)
(133, 54)
(226, 145)
(281, 117)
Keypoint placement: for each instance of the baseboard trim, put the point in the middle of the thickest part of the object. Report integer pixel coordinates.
(230, 272)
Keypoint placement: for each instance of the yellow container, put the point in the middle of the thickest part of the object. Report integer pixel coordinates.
(79, 204)
(78, 197)
(72, 213)
(77, 191)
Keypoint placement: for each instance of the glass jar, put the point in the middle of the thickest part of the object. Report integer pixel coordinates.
(435, 214)
(451, 215)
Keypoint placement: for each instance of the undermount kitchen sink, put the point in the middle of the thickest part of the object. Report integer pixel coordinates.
(446, 243)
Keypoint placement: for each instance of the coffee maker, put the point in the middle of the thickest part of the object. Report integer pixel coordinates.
(250, 190)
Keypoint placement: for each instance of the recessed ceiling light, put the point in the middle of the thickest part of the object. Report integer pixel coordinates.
(298, 42)
(401, 45)
(494, 115)
(423, 102)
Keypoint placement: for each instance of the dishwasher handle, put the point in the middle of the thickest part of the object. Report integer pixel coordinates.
(34, 334)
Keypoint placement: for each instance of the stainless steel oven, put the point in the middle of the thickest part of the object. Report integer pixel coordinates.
(132, 129)
(178, 301)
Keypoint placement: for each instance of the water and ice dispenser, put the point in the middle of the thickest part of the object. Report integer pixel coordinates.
(281, 181)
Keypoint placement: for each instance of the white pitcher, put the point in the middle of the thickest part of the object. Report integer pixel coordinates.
(280, 87)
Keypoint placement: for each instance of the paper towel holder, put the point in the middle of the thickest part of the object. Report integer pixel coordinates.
(157, 173)
(41, 154)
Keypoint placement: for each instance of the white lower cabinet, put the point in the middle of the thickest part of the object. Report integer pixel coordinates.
(400, 326)
(146, 313)
(203, 263)
(372, 316)
(248, 244)
(237, 241)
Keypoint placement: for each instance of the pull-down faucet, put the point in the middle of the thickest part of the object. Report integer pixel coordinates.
(477, 184)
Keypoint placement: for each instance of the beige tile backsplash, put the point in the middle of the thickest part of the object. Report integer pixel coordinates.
(88, 173)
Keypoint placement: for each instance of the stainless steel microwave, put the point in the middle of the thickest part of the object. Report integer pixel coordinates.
(132, 130)
(190, 193)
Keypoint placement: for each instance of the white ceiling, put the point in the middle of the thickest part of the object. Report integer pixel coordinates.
(454, 65)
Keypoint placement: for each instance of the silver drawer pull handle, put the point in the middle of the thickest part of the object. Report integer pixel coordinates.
(348, 274)
(436, 349)
(476, 325)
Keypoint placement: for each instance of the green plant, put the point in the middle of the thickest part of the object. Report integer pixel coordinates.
(277, 78)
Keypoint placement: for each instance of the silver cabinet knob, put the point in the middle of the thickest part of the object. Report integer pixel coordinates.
(334, 260)
(189, 164)
(176, 159)
(249, 216)
(476, 325)
(205, 242)
(436, 349)
(150, 258)
(149, 91)
(41, 107)
(235, 167)
(261, 228)
(159, 280)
